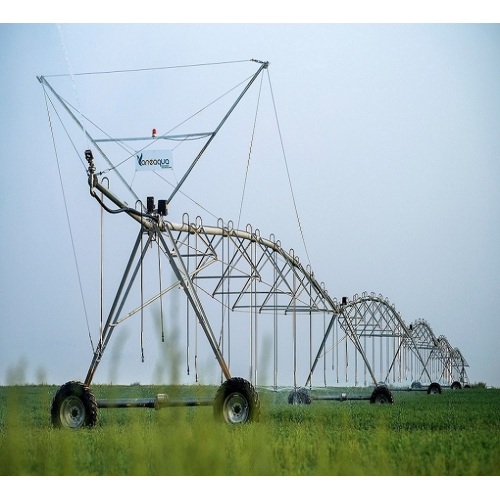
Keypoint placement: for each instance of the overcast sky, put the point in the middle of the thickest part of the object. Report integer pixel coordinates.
(391, 134)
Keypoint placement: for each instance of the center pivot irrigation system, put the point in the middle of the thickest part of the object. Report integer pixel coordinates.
(255, 303)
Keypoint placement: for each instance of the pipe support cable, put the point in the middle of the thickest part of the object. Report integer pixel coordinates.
(263, 66)
(69, 224)
(288, 172)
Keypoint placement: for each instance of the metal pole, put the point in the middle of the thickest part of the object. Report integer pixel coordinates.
(321, 348)
(109, 327)
(214, 133)
(43, 81)
(182, 275)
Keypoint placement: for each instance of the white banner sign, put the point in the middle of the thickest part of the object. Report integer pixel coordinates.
(153, 160)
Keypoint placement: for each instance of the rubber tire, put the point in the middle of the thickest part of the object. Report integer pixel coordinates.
(74, 406)
(416, 385)
(381, 395)
(434, 388)
(236, 402)
(299, 396)
(456, 385)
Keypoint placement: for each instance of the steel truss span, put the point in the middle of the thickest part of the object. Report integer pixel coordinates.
(262, 312)
(394, 352)
(292, 328)
(444, 362)
(383, 339)
(226, 272)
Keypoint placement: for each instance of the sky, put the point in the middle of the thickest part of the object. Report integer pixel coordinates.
(390, 134)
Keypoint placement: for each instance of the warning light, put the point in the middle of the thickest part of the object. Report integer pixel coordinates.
(153, 134)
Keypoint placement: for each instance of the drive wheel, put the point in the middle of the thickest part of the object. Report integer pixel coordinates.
(74, 406)
(299, 396)
(236, 402)
(381, 395)
(456, 385)
(434, 388)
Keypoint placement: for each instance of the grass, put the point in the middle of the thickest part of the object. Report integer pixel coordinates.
(455, 433)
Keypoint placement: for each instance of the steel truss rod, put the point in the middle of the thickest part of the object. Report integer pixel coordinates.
(44, 82)
(118, 303)
(321, 349)
(263, 65)
(168, 137)
(184, 278)
(154, 298)
(241, 268)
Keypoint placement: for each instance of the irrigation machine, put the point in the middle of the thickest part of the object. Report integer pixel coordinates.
(246, 294)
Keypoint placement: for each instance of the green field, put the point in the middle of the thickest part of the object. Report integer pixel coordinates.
(455, 433)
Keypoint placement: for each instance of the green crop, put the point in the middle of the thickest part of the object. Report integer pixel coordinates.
(455, 433)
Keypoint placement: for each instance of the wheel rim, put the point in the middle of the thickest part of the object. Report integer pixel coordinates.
(382, 399)
(236, 409)
(72, 412)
